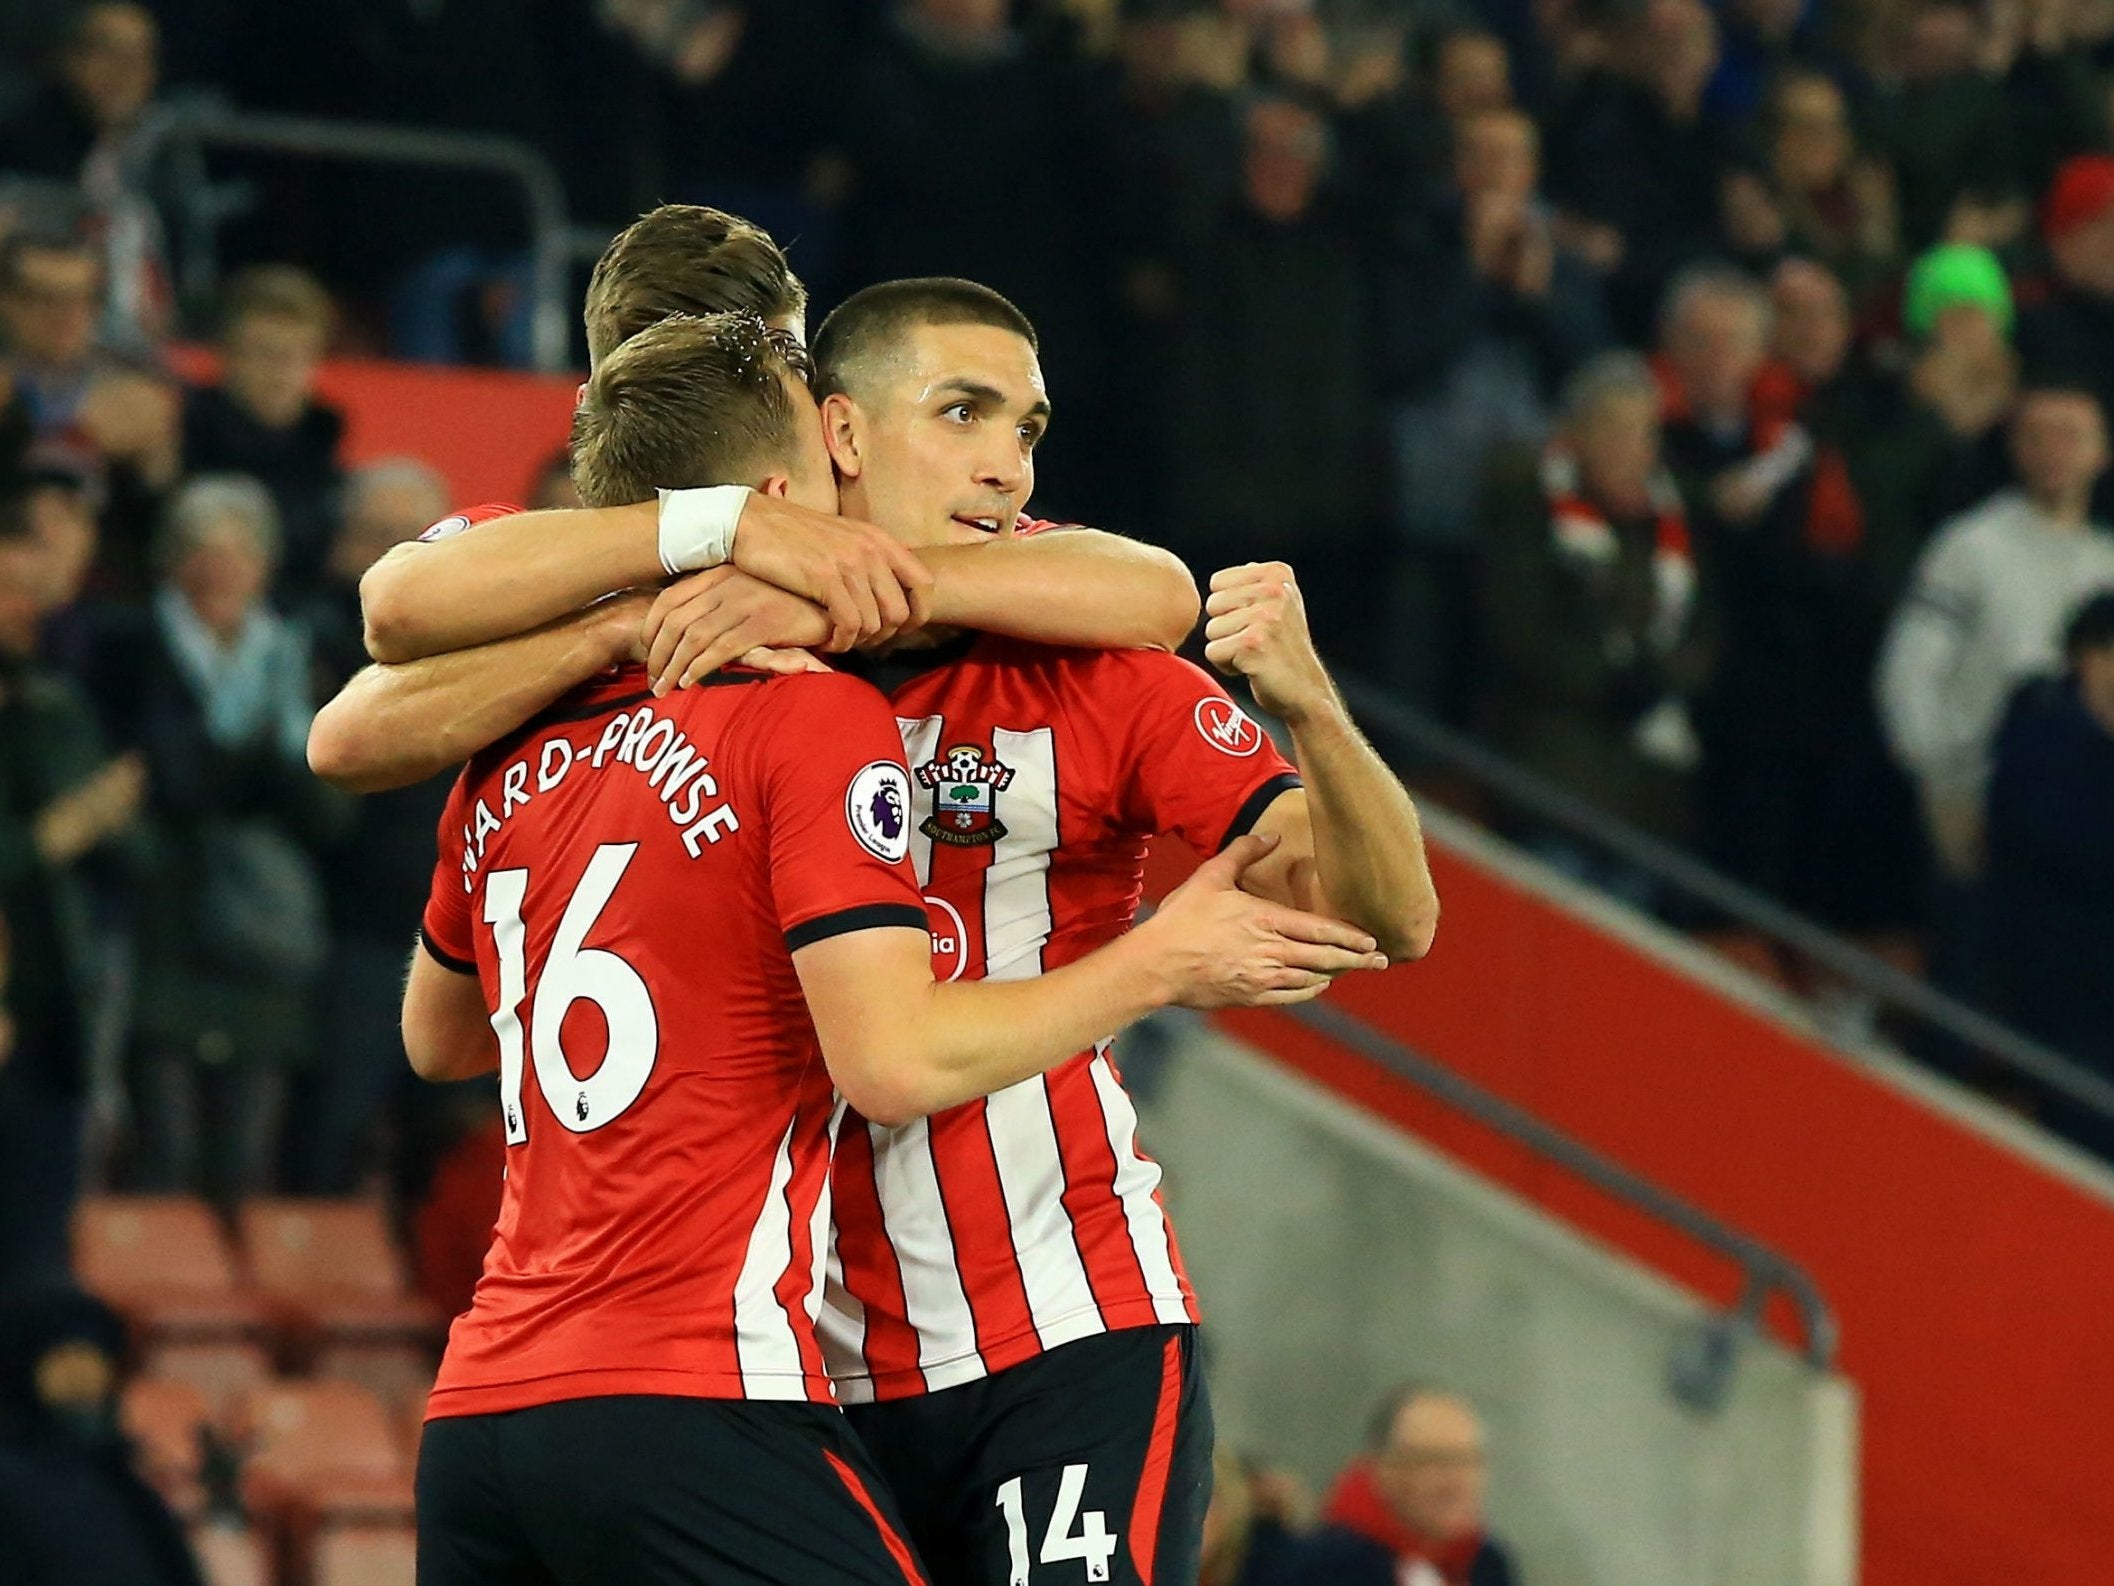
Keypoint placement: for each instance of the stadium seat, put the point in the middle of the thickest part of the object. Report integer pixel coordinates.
(330, 1270)
(228, 1557)
(364, 1555)
(164, 1262)
(224, 1372)
(165, 1419)
(400, 1375)
(324, 1450)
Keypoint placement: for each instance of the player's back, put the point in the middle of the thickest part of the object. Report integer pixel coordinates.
(629, 877)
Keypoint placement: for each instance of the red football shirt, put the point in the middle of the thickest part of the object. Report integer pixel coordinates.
(975, 1239)
(628, 878)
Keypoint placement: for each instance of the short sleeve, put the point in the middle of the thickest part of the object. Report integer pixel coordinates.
(1202, 770)
(453, 524)
(445, 926)
(838, 803)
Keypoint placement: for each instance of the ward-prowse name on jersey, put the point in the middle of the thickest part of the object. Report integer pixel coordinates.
(644, 744)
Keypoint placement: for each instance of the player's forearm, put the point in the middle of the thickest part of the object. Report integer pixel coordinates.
(1075, 587)
(504, 577)
(392, 726)
(1370, 866)
(970, 1038)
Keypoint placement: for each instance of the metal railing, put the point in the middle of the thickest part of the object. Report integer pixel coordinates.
(1700, 1374)
(195, 124)
(1417, 739)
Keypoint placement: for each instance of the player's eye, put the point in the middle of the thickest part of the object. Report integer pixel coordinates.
(1030, 434)
(959, 412)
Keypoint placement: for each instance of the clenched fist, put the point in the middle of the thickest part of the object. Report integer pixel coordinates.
(1258, 629)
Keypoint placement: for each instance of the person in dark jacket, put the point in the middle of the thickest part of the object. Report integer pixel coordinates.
(263, 418)
(377, 871)
(74, 1510)
(61, 799)
(1592, 632)
(213, 688)
(1409, 1512)
(2051, 859)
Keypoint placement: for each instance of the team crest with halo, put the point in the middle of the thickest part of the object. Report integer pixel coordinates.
(965, 783)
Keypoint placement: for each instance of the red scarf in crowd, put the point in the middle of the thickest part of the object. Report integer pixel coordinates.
(1356, 1504)
(1778, 444)
(1584, 534)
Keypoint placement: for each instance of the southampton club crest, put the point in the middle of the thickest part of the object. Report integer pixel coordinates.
(965, 787)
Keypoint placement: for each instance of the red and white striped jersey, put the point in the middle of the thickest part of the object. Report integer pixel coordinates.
(629, 877)
(977, 1238)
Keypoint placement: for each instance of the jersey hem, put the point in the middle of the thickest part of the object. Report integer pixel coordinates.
(498, 1398)
(937, 1376)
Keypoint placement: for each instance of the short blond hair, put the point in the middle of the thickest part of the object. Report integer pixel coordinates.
(686, 259)
(283, 291)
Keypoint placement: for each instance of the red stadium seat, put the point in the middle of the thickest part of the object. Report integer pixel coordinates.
(331, 1270)
(166, 1419)
(400, 1375)
(165, 1263)
(224, 1373)
(325, 1450)
(231, 1557)
(365, 1555)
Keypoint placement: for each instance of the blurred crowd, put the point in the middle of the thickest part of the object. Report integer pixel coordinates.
(1707, 404)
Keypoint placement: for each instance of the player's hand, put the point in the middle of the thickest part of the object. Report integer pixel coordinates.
(713, 619)
(872, 587)
(1226, 949)
(1258, 629)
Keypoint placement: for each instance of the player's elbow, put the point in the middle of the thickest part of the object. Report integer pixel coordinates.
(1175, 604)
(1408, 936)
(888, 1084)
(389, 622)
(339, 753)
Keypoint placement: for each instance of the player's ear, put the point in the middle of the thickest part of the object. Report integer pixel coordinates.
(780, 485)
(841, 433)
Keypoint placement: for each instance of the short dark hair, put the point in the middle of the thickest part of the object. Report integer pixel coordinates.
(693, 400)
(867, 322)
(2091, 626)
(686, 259)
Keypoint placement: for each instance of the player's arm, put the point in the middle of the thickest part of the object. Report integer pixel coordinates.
(900, 1046)
(1352, 844)
(447, 1028)
(1072, 586)
(511, 574)
(398, 724)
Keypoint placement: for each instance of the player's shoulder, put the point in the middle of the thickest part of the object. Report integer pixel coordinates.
(455, 522)
(812, 704)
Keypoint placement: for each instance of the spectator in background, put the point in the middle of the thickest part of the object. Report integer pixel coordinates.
(61, 800)
(1985, 611)
(1777, 531)
(1816, 194)
(1593, 641)
(263, 419)
(377, 872)
(1635, 163)
(1410, 1511)
(79, 131)
(1937, 447)
(1482, 310)
(1945, 123)
(213, 688)
(2051, 857)
(74, 395)
(60, 497)
(1245, 1530)
(1276, 306)
(2066, 327)
(74, 1508)
(553, 485)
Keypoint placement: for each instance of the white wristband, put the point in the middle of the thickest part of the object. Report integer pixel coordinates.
(697, 527)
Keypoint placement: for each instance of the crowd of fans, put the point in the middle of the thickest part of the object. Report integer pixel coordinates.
(1706, 405)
